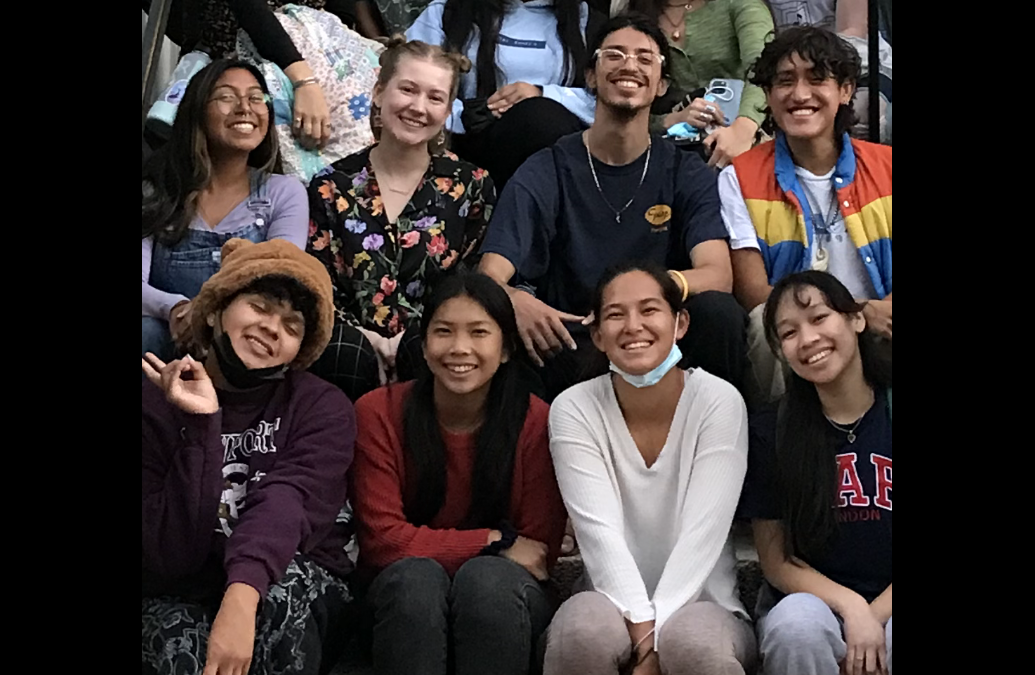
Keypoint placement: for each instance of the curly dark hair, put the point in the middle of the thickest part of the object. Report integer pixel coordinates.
(830, 57)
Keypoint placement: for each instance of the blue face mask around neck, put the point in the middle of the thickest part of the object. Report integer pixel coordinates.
(652, 377)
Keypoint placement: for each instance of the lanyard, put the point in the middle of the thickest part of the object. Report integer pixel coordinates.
(818, 224)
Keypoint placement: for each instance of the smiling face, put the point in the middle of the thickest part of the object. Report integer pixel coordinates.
(818, 343)
(628, 84)
(264, 332)
(237, 115)
(805, 105)
(463, 346)
(636, 326)
(415, 102)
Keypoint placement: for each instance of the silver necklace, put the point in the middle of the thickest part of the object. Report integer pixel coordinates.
(819, 226)
(618, 212)
(846, 429)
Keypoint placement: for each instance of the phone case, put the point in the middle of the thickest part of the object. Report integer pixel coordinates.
(726, 94)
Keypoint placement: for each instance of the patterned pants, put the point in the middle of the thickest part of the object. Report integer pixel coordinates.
(300, 629)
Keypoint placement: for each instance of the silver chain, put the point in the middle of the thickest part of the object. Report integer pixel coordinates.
(845, 429)
(618, 213)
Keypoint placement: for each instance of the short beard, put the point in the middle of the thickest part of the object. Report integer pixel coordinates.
(622, 112)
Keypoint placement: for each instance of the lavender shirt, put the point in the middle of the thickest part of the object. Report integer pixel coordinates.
(290, 221)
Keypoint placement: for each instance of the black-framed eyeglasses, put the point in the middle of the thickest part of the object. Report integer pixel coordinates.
(614, 57)
(227, 101)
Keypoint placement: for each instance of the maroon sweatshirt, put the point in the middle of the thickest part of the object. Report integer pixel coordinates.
(233, 496)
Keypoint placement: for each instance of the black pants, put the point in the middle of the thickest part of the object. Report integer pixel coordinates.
(487, 619)
(350, 363)
(530, 126)
(716, 341)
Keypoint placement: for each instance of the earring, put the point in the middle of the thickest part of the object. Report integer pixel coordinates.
(440, 140)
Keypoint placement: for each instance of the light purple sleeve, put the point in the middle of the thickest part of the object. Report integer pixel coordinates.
(153, 302)
(290, 219)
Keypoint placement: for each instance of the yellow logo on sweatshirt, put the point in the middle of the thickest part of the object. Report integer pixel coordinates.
(658, 215)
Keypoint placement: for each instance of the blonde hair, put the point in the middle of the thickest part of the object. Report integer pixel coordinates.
(397, 47)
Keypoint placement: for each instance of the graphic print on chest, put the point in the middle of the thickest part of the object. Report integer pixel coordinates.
(856, 501)
(237, 449)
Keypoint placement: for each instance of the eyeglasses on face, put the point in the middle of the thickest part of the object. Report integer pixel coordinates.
(614, 57)
(227, 101)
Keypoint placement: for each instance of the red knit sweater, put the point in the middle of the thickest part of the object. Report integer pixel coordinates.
(379, 474)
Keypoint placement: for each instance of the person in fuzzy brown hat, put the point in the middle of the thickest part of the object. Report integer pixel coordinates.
(245, 456)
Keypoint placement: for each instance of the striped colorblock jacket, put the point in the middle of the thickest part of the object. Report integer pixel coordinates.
(780, 211)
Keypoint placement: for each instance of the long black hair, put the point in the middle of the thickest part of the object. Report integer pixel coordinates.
(175, 175)
(806, 472)
(505, 410)
(461, 17)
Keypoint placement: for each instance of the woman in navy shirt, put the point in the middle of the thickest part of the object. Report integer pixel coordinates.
(827, 605)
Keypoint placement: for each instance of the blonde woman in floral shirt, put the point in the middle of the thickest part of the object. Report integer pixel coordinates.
(387, 221)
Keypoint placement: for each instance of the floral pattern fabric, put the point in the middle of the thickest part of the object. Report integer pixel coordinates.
(381, 270)
(346, 66)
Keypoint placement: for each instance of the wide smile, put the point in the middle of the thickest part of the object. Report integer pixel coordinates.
(818, 357)
(244, 127)
(460, 368)
(627, 83)
(803, 112)
(413, 123)
(259, 345)
(637, 345)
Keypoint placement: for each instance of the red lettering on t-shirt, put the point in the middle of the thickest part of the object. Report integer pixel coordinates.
(849, 483)
(882, 465)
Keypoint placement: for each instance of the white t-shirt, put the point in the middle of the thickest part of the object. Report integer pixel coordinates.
(843, 257)
(654, 539)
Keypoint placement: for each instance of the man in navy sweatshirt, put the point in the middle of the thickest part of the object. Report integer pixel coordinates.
(244, 461)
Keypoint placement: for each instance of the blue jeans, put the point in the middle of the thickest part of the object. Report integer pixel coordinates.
(155, 338)
(184, 267)
(490, 616)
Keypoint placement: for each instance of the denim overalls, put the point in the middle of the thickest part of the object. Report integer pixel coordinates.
(183, 268)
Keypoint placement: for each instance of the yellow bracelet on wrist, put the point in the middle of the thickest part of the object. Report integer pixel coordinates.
(681, 280)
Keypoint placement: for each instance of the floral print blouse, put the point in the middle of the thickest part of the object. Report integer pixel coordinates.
(382, 270)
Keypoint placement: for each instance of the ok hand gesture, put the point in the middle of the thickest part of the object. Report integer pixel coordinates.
(196, 395)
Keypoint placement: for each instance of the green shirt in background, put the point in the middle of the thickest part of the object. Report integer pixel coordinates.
(724, 38)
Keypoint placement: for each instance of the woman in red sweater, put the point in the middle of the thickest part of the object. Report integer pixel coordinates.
(457, 505)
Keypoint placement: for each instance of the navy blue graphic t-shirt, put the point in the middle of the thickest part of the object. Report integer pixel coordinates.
(859, 555)
(560, 231)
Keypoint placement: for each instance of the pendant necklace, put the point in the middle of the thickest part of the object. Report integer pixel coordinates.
(618, 212)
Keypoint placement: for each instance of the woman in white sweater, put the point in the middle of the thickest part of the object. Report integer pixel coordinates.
(650, 460)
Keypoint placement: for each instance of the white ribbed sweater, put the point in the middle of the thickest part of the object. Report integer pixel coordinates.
(654, 539)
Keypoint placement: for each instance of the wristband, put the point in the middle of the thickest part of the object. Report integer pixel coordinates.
(508, 535)
(298, 84)
(681, 280)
